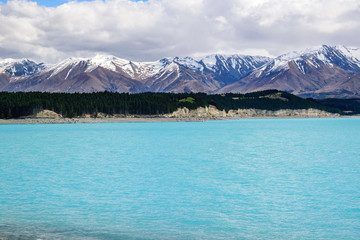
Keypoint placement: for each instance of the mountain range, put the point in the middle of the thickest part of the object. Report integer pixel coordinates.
(326, 71)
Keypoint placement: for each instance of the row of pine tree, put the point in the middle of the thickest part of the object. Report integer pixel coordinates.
(18, 104)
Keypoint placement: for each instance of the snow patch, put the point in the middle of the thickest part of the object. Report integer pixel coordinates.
(209, 62)
(279, 65)
(105, 61)
(228, 62)
(67, 75)
(314, 64)
(300, 66)
(63, 65)
(168, 70)
(351, 53)
(9, 64)
(189, 63)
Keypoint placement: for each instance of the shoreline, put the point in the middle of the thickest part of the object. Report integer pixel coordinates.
(151, 119)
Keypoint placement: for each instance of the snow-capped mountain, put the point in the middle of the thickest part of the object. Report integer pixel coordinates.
(202, 74)
(109, 73)
(317, 72)
(19, 68)
(314, 72)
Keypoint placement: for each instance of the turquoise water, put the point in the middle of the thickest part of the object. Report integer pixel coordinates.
(246, 179)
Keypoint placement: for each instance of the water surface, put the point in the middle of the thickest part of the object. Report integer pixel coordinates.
(245, 179)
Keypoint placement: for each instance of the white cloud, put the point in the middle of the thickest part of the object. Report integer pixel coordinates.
(158, 28)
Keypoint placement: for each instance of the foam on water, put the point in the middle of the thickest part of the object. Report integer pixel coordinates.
(248, 179)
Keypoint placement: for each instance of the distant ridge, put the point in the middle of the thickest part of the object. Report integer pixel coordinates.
(319, 72)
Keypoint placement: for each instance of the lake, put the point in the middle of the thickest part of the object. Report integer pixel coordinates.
(240, 179)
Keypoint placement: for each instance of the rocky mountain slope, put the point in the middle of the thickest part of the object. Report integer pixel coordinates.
(318, 72)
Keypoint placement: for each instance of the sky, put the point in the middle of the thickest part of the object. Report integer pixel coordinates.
(50, 31)
(48, 3)
(55, 3)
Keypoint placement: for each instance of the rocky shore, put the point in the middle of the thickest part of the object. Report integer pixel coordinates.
(213, 112)
(180, 115)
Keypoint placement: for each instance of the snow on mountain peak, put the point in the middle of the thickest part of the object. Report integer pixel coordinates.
(19, 67)
(189, 63)
(351, 52)
(233, 61)
(10, 61)
(323, 53)
(209, 61)
(340, 55)
(294, 55)
(6, 63)
(69, 62)
(233, 66)
(105, 61)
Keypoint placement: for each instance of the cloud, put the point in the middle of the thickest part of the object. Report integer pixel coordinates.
(158, 28)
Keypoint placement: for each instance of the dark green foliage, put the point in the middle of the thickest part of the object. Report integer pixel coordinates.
(348, 106)
(14, 105)
(268, 100)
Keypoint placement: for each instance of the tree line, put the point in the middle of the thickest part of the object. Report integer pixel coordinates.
(18, 104)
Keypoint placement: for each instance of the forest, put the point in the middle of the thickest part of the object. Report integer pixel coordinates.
(20, 104)
(347, 106)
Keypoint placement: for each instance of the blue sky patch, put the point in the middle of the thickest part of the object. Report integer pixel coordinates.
(54, 3)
